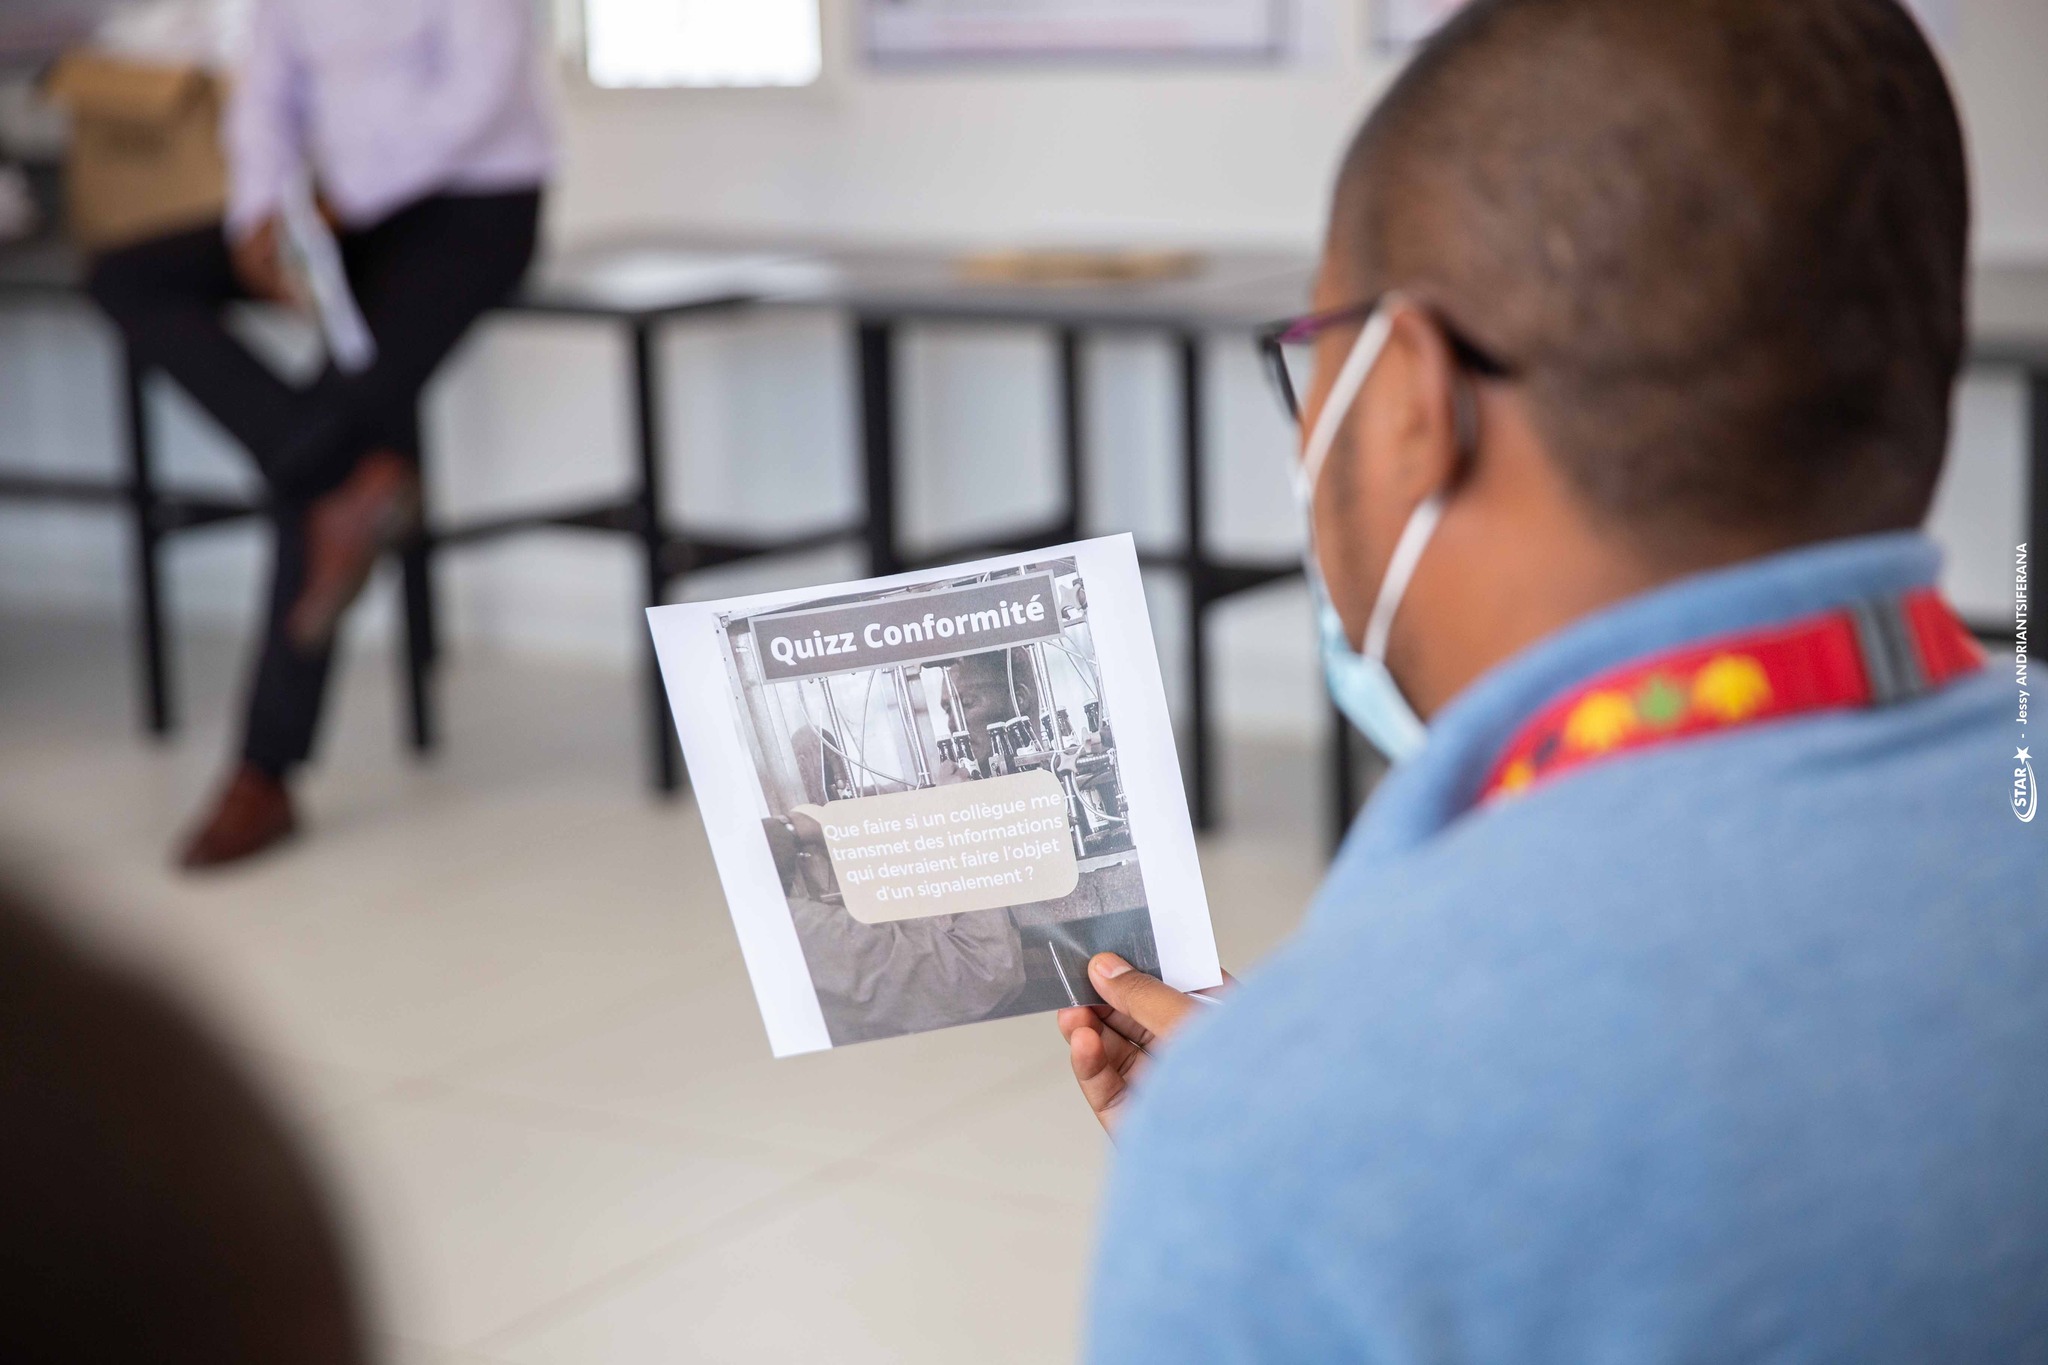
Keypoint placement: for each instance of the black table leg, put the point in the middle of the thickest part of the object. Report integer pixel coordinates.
(647, 433)
(421, 644)
(159, 714)
(876, 356)
(1343, 777)
(1201, 756)
(1072, 439)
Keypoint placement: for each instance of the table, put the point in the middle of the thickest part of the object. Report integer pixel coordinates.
(881, 291)
(1233, 292)
(884, 290)
(641, 285)
(575, 291)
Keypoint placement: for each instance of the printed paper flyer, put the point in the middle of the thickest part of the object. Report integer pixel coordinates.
(933, 797)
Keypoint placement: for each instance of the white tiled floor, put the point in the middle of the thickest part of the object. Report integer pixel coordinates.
(500, 993)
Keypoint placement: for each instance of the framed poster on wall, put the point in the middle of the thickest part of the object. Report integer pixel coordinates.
(929, 31)
(1401, 24)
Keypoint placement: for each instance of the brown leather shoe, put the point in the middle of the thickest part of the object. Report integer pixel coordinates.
(254, 811)
(375, 508)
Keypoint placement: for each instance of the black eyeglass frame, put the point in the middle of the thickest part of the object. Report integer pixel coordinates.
(1275, 337)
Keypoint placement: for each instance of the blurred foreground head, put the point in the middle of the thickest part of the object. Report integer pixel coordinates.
(1720, 242)
(151, 1207)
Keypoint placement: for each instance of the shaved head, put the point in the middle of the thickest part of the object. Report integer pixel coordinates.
(1721, 242)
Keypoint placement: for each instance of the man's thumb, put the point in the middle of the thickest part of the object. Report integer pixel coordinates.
(1147, 999)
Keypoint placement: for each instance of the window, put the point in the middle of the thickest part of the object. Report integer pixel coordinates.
(642, 43)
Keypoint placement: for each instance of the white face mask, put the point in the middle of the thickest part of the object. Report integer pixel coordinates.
(1359, 681)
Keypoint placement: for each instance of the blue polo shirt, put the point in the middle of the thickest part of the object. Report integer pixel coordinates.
(1730, 1049)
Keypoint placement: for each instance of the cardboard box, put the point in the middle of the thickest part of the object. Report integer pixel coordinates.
(145, 156)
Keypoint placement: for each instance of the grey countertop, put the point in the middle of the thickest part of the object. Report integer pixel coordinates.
(1230, 289)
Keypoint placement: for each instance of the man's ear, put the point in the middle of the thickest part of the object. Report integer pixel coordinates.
(1400, 443)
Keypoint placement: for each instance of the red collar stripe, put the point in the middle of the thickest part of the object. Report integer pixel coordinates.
(1875, 653)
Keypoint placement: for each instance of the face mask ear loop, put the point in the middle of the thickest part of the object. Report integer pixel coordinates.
(1400, 568)
(1365, 353)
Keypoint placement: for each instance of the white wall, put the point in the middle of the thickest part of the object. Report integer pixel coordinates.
(761, 408)
(1208, 155)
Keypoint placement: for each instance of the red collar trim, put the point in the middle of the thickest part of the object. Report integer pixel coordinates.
(1874, 653)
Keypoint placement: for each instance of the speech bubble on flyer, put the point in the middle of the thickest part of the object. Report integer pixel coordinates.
(949, 850)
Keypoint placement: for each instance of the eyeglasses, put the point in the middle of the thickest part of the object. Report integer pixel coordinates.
(1288, 349)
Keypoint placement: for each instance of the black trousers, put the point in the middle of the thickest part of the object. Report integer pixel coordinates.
(421, 278)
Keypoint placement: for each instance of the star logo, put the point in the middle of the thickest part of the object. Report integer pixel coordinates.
(2022, 756)
(2025, 796)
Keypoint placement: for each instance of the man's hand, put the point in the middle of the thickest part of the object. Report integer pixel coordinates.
(1109, 1044)
(258, 263)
